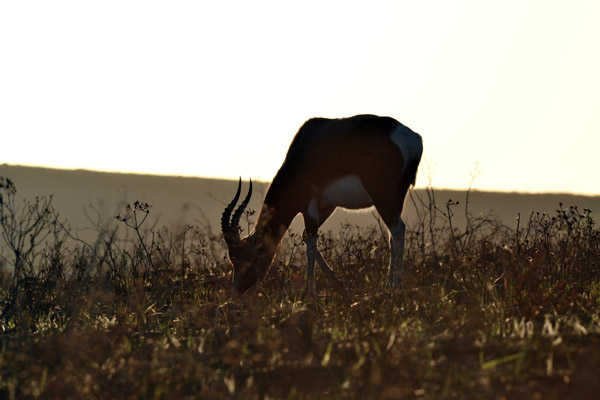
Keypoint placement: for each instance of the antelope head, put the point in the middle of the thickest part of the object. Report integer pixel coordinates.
(247, 257)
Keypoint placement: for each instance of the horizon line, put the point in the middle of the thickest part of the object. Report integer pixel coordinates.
(227, 178)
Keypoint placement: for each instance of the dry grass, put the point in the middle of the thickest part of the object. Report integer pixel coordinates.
(487, 312)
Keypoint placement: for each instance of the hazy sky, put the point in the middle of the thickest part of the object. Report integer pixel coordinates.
(205, 88)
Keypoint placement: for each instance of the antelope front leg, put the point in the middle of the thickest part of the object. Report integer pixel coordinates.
(311, 255)
(327, 270)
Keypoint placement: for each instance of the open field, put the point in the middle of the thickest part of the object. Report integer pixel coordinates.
(87, 199)
(491, 307)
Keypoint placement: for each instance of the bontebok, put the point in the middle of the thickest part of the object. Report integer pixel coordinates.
(353, 163)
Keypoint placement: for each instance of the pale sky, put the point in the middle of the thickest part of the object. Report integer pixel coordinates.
(510, 89)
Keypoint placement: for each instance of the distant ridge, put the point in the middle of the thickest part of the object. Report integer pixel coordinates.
(178, 201)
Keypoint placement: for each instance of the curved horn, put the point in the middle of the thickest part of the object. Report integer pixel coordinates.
(235, 220)
(228, 232)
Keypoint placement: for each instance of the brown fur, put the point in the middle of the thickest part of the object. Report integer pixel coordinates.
(323, 151)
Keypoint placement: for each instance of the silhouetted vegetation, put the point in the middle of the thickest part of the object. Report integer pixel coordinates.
(487, 311)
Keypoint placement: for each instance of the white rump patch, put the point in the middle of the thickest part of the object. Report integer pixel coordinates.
(410, 143)
(347, 192)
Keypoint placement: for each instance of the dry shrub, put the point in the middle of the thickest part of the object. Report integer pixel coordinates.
(487, 311)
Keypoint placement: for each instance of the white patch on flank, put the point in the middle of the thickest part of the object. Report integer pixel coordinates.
(410, 143)
(347, 192)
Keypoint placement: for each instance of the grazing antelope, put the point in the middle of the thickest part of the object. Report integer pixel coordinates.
(354, 163)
